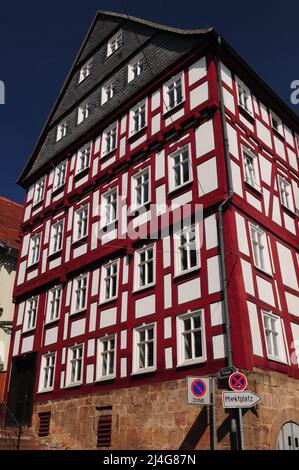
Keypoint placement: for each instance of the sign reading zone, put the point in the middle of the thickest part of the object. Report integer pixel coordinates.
(198, 391)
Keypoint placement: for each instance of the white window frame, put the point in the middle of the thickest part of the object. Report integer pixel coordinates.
(138, 64)
(252, 178)
(166, 101)
(178, 248)
(104, 277)
(42, 375)
(108, 91)
(244, 91)
(171, 168)
(83, 112)
(61, 130)
(60, 169)
(278, 333)
(105, 221)
(77, 220)
(54, 300)
(74, 383)
(137, 267)
(181, 360)
(83, 155)
(55, 225)
(136, 110)
(85, 70)
(39, 191)
(287, 202)
(75, 289)
(114, 43)
(33, 258)
(100, 355)
(105, 150)
(134, 185)
(28, 314)
(279, 128)
(136, 369)
(260, 248)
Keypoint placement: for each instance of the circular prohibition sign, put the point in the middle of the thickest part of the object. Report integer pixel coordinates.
(238, 381)
(198, 388)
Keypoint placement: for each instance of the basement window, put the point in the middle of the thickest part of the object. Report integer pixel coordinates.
(104, 433)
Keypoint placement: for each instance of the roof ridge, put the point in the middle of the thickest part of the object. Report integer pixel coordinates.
(3, 198)
(154, 24)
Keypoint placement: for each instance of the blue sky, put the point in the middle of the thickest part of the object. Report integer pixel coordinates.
(39, 40)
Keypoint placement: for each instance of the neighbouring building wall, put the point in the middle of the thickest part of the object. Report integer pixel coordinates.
(7, 278)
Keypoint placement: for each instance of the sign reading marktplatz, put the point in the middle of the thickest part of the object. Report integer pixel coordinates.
(198, 391)
(244, 399)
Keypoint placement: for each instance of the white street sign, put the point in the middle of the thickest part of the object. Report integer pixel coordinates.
(245, 399)
(198, 391)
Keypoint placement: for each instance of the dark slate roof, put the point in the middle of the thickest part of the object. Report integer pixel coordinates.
(162, 45)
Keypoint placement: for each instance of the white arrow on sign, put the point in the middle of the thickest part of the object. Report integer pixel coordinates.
(245, 399)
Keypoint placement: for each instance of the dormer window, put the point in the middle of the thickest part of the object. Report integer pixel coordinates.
(135, 68)
(83, 112)
(61, 130)
(114, 43)
(108, 91)
(85, 71)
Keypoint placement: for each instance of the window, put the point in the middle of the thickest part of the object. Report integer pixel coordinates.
(53, 304)
(260, 249)
(74, 366)
(180, 170)
(276, 123)
(83, 158)
(108, 91)
(141, 189)
(56, 237)
(144, 349)
(83, 112)
(30, 314)
(273, 330)
(106, 357)
(39, 191)
(109, 208)
(81, 223)
(191, 338)
(79, 300)
(46, 381)
(60, 175)
(85, 71)
(138, 117)
(109, 282)
(251, 169)
(144, 267)
(173, 92)
(109, 139)
(34, 249)
(61, 130)
(114, 43)
(186, 250)
(244, 97)
(285, 190)
(136, 67)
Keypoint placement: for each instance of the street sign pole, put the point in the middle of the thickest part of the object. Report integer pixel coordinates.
(213, 424)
